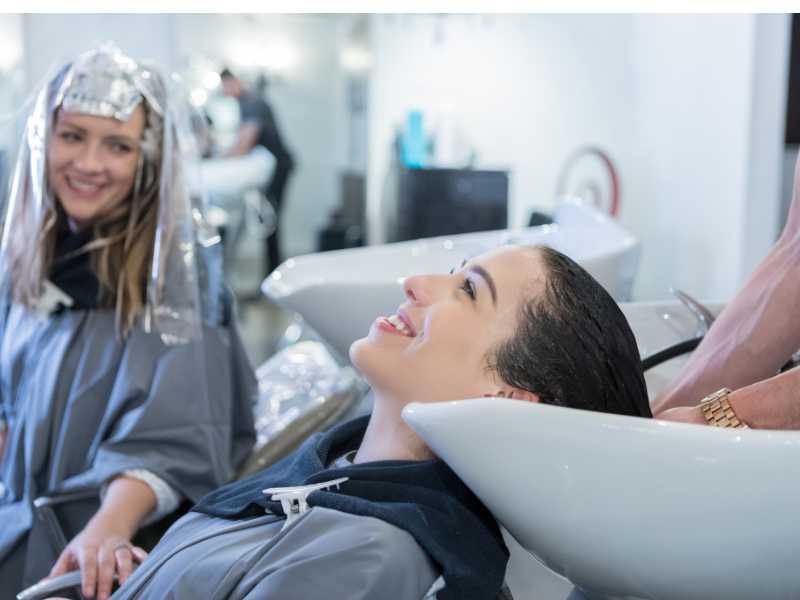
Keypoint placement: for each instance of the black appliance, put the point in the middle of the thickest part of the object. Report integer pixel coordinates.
(433, 202)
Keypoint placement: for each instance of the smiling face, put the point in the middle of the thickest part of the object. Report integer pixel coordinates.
(91, 163)
(436, 346)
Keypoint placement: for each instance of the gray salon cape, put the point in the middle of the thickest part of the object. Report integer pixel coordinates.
(322, 555)
(83, 405)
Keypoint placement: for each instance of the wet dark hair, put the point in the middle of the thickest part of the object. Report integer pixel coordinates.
(573, 346)
(226, 73)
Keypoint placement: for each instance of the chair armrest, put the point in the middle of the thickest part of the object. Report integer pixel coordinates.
(43, 511)
(47, 587)
(57, 499)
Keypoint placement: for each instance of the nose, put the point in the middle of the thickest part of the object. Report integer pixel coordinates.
(89, 159)
(409, 286)
(423, 289)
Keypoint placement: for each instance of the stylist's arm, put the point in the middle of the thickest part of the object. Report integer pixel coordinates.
(104, 546)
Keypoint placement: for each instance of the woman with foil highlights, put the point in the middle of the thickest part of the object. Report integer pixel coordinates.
(384, 518)
(112, 318)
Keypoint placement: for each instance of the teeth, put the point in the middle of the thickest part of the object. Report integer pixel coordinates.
(399, 325)
(86, 187)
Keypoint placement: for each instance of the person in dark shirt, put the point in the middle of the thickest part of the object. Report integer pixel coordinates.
(259, 127)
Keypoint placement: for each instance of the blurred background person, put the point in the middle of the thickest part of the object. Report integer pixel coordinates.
(259, 127)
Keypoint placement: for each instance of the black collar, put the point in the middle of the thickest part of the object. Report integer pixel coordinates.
(71, 270)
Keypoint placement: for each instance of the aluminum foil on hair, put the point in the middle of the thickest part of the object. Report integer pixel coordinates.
(27, 199)
(107, 83)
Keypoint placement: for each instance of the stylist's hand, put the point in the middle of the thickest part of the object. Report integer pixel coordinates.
(683, 414)
(99, 551)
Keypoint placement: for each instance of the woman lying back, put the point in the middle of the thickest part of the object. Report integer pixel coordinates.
(518, 322)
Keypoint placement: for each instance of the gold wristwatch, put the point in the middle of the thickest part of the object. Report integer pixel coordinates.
(718, 411)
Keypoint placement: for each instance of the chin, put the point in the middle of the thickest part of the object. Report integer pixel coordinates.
(84, 212)
(83, 217)
(371, 364)
(357, 353)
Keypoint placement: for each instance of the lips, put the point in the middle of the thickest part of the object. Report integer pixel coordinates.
(83, 188)
(394, 324)
(403, 316)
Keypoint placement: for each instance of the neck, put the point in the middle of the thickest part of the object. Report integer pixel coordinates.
(388, 437)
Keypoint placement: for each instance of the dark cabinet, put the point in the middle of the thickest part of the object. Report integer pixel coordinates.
(432, 202)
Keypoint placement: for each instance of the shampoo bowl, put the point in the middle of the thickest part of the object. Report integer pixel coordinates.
(630, 507)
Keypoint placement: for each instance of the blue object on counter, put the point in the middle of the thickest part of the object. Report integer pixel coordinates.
(413, 145)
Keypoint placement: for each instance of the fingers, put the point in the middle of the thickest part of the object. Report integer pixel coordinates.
(87, 559)
(63, 564)
(105, 570)
(124, 557)
(98, 564)
(139, 554)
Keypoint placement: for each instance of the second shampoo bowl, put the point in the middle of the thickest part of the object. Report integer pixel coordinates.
(630, 507)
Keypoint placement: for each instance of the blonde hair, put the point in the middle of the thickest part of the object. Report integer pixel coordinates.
(121, 250)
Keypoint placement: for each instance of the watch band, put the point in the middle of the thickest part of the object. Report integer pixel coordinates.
(718, 412)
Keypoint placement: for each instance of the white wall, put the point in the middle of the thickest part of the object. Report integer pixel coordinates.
(525, 90)
(691, 108)
(770, 78)
(51, 40)
(303, 98)
(708, 111)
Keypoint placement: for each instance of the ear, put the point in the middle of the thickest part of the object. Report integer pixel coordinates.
(515, 393)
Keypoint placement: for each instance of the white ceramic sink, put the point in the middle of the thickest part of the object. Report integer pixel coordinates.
(340, 293)
(628, 507)
(231, 176)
